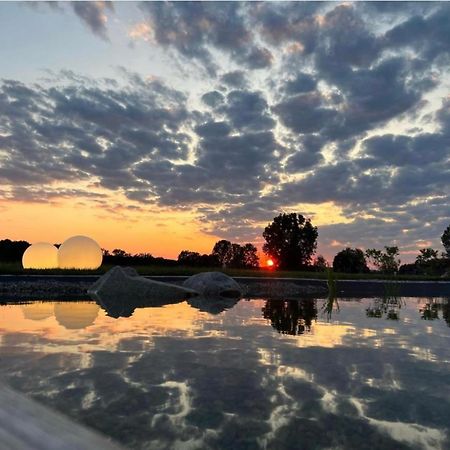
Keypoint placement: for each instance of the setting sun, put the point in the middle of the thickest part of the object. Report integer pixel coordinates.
(269, 263)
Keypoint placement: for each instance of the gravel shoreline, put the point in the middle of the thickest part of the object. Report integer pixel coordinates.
(27, 288)
(54, 289)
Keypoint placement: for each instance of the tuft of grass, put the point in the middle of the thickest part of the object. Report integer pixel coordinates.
(331, 303)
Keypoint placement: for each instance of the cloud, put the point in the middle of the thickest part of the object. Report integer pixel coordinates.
(428, 34)
(235, 79)
(193, 28)
(346, 110)
(93, 15)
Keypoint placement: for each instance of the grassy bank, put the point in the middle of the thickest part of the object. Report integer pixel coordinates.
(16, 269)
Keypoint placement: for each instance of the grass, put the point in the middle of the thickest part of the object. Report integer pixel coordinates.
(16, 269)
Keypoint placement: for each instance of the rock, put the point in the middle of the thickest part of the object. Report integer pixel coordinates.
(214, 285)
(119, 291)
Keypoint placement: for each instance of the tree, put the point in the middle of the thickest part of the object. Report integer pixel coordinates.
(11, 251)
(291, 240)
(119, 253)
(386, 261)
(426, 256)
(251, 259)
(195, 259)
(234, 255)
(350, 260)
(188, 258)
(320, 263)
(445, 238)
(223, 251)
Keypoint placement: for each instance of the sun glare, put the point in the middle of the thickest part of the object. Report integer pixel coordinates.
(269, 263)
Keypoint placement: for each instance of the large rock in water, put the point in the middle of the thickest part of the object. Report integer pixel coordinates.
(213, 284)
(120, 290)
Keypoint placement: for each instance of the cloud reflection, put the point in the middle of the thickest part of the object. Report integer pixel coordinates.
(174, 375)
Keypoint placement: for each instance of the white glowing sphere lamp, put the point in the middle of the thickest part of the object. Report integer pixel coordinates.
(41, 255)
(79, 252)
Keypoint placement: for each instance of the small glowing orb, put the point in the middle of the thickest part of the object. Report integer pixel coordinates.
(79, 252)
(270, 263)
(41, 255)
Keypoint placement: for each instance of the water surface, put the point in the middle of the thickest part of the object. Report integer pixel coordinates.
(362, 374)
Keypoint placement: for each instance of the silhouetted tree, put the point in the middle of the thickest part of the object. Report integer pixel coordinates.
(235, 255)
(251, 258)
(12, 251)
(320, 263)
(291, 240)
(445, 238)
(223, 251)
(118, 252)
(350, 260)
(386, 261)
(195, 259)
(426, 255)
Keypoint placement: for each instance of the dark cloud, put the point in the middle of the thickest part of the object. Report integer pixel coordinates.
(427, 33)
(84, 130)
(305, 113)
(213, 98)
(400, 150)
(303, 82)
(248, 110)
(93, 14)
(235, 79)
(192, 28)
(307, 156)
(288, 23)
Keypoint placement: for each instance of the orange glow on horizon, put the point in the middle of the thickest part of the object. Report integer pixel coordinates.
(162, 233)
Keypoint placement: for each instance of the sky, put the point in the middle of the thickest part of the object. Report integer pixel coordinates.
(161, 127)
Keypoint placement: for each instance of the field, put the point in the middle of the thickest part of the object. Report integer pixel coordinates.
(16, 269)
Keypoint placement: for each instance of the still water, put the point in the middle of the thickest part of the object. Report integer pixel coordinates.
(306, 374)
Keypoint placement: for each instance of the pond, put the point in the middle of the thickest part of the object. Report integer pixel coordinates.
(301, 374)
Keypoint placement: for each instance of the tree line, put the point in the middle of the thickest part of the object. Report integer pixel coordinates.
(290, 242)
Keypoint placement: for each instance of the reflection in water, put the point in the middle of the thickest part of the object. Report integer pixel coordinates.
(177, 377)
(37, 311)
(291, 316)
(213, 305)
(388, 307)
(430, 310)
(121, 308)
(74, 316)
(71, 315)
(433, 308)
(330, 305)
(446, 310)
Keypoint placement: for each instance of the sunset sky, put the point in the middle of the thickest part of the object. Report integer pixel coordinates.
(159, 127)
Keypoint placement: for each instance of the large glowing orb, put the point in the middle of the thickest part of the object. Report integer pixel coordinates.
(79, 252)
(41, 255)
